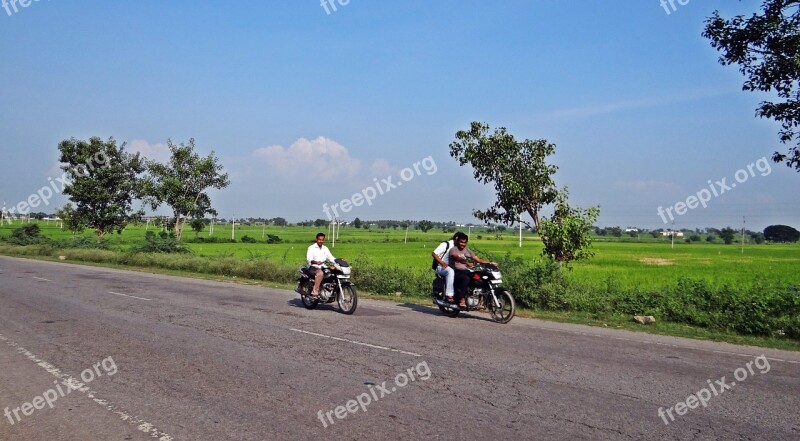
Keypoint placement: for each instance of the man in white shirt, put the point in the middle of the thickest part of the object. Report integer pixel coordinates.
(442, 257)
(316, 255)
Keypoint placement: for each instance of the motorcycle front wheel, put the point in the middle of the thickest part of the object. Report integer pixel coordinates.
(348, 300)
(505, 312)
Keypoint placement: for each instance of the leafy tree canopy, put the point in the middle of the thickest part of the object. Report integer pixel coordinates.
(766, 47)
(182, 183)
(104, 181)
(781, 233)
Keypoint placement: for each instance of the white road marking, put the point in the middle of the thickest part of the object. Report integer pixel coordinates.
(356, 342)
(76, 385)
(127, 295)
(42, 279)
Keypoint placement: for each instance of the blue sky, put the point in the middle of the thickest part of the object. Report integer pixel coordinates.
(306, 108)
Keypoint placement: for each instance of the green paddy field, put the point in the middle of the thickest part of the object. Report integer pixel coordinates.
(645, 263)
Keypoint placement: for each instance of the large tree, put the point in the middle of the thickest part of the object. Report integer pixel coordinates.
(424, 225)
(727, 235)
(766, 47)
(103, 182)
(182, 183)
(523, 182)
(781, 233)
(69, 219)
(518, 169)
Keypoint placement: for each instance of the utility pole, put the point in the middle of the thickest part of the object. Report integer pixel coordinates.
(673, 235)
(520, 232)
(233, 227)
(334, 232)
(406, 240)
(743, 224)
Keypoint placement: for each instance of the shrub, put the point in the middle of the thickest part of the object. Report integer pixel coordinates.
(161, 243)
(29, 234)
(248, 239)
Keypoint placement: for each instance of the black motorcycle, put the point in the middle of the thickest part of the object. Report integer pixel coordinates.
(335, 286)
(484, 293)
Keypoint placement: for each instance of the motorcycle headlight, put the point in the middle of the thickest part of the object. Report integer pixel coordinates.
(497, 275)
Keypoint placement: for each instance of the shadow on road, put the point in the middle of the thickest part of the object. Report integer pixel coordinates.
(321, 306)
(433, 310)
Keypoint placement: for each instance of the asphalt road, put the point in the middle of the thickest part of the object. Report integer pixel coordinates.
(100, 354)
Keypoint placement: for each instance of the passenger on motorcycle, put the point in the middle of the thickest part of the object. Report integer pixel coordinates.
(316, 255)
(460, 257)
(441, 256)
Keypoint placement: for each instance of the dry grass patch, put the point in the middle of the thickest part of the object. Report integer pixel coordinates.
(656, 261)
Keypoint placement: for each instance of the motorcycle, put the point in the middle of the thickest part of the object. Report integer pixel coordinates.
(484, 293)
(335, 286)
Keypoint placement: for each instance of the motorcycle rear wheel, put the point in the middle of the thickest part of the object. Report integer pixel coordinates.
(505, 312)
(348, 300)
(308, 300)
(450, 312)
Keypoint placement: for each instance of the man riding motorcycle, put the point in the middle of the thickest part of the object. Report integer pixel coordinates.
(460, 257)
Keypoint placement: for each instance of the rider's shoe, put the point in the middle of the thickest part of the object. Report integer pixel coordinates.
(450, 299)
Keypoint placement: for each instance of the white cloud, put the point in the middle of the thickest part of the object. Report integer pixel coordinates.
(381, 167)
(157, 152)
(590, 110)
(320, 159)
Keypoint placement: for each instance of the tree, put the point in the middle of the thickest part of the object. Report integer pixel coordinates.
(72, 222)
(523, 183)
(320, 222)
(781, 233)
(279, 221)
(104, 181)
(615, 231)
(424, 225)
(197, 226)
(767, 49)
(519, 171)
(357, 223)
(727, 234)
(182, 183)
(568, 230)
(758, 238)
